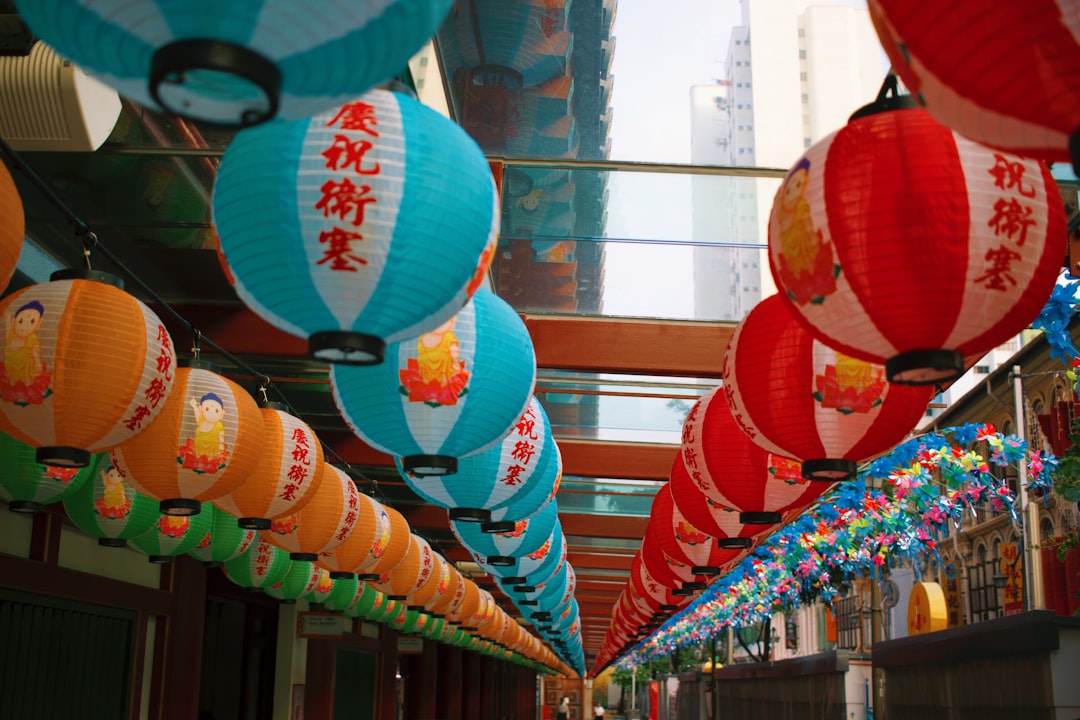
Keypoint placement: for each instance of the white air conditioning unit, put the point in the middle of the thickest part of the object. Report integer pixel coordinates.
(46, 103)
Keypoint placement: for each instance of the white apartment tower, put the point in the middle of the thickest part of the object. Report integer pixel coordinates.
(795, 71)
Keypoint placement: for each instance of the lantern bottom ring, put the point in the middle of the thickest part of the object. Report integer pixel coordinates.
(498, 526)
(737, 543)
(304, 556)
(62, 456)
(186, 77)
(501, 560)
(1074, 151)
(212, 564)
(515, 580)
(924, 367)
(399, 598)
(346, 348)
(367, 577)
(25, 506)
(829, 469)
(524, 588)
(180, 506)
(706, 570)
(683, 592)
(528, 603)
(112, 542)
(430, 465)
(342, 575)
(470, 514)
(693, 586)
(760, 518)
(253, 523)
(160, 559)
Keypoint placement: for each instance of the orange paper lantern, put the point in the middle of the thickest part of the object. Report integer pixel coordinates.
(287, 476)
(437, 582)
(323, 523)
(85, 367)
(447, 596)
(204, 444)
(365, 544)
(394, 552)
(12, 228)
(411, 574)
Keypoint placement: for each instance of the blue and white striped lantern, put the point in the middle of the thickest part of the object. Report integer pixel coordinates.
(535, 567)
(367, 224)
(504, 548)
(515, 471)
(540, 491)
(234, 62)
(447, 394)
(552, 592)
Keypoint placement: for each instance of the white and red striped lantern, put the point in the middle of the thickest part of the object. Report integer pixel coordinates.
(1003, 74)
(896, 241)
(685, 542)
(709, 516)
(801, 399)
(733, 471)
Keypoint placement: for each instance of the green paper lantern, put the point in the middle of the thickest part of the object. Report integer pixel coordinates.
(224, 541)
(395, 619)
(105, 507)
(367, 603)
(433, 629)
(260, 567)
(28, 486)
(323, 587)
(415, 621)
(299, 581)
(345, 594)
(172, 535)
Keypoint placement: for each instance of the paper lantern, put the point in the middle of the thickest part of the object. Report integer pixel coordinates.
(446, 596)
(235, 63)
(323, 523)
(28, 486)
(223, 541)
(516, 470)
(13, 229)
(204, 443)
(346, 593)
(452, 392)
(365, 544)
(172, 535)
(71, 393)
(503, 548)
(534, 567)
(796, 397)
(396, 548)
(287, 475)
(298, 582)
(1002, 75)
(664, 568)
(460, 612)
(260, 567)
(709, 516)
(733, 471)
(540, 490)
(436, 583)
(378, 217)
(369, 602)
(897, 242)
(682, 540)
(323, 587)
(410, 575)
(107, 508)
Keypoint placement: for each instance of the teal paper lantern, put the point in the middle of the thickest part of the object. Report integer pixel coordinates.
(28, 486)
(503, 548)
(107, 508)
(368, 224)
(232, 62)
(450, 393)
(260, 567)
(535, 567)
(224, 541)
(517, 473)
(172, 535)
(539, 491)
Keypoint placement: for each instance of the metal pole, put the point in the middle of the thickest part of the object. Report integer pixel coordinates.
(1033, 582)
(877, 674)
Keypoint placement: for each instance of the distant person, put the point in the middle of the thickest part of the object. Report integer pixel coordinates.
(598, 711)
(564, 709)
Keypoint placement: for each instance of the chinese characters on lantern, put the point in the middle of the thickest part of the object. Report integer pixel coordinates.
(689, 453)
(298, 471)
(523, 450)
(342, 200)
(350, 517)
(263, 553)
(158, 387)
(1011, 220)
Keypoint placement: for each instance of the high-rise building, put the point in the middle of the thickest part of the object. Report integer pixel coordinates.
(795, 71)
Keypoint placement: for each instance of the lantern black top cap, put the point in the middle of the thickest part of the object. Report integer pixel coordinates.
(888, 99)
(87, 274)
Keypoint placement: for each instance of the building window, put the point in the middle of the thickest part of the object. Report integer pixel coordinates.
(802, 76)
(806, 142)
(802, 33)
(805, 97)
(423, 61)
(802, 54)
(982, 369)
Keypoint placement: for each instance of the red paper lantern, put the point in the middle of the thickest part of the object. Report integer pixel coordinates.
(729, 468)
(709, 516)
(1003, 74)
(323, 523)
(796, 397)
(684, 542)
(898, 242)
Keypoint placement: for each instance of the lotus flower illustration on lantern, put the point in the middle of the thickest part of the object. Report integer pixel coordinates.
(207, 451)
(850, 385)
(437, 376)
